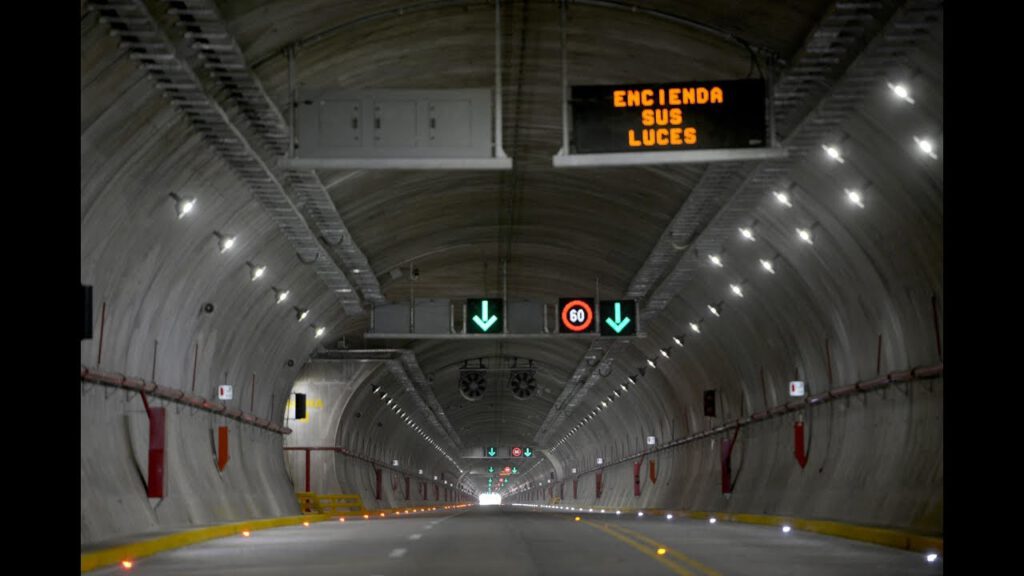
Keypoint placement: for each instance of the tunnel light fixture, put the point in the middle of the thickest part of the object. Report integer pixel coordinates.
(631, 380)
(855, 197)
(624, 388)
(715, 260)
(679, 340)
(652, 363)
(280, 295)
(833, 153)
(782, 198)
(747, 233)
(926, 147)
(376, 389)
(384, 396)
(695, 327)
(715, 309)
(786, 528)
(768, 265)
(736, 289)
(255, 271)
(615, 393)
(390, 401)
(301, 313)
(805, 235)
(224, 242)
(665, 352)
(900, 91)
(182, 205)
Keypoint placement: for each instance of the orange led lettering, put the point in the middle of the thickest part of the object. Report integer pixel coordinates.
(702, 95)
(661, 116)
(632, 98)
(661, 96)
(716, 95)
(676, 136)
(675, 117)
(618, 97)
(662, 136)
(673, 97)
(688, 97)
(647, 117)
(649, 137)
(633, 142)
(690, 135)
(647, 97)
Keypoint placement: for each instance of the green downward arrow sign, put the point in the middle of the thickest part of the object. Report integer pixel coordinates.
(528, 453)
(485, 320)
(491, 452)
(619, 323)
(490, 469)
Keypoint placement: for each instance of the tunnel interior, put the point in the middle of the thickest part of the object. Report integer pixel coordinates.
(212, 265)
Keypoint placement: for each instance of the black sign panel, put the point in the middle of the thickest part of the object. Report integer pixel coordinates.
(709, 403)
(618, 317)
(575, 315)
(678, 116)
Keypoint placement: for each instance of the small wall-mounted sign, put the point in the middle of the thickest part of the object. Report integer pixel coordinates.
(651, 440)
(600, 461)
(796, 388)
(224, 392)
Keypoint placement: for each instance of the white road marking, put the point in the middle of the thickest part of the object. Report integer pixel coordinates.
(397, 553)
(415, 536)
(428, 526)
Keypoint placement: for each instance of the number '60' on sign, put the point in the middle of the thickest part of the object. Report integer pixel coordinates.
(575, 315)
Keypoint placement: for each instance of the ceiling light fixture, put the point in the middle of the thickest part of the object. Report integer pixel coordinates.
(224, 242)
(715, 259)
(833, 153)
(183, 205)
(736, 289)
(783, 199)
(715, 309)
(280, 295)
(926, 147)
(901, 92)
(768, 265)
(695, 327)
(318, 331)
(255, 272)
(805, 235)
(747, 233)
(301, 313)
(679, 340)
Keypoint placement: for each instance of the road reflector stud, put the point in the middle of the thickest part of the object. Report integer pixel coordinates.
(661, 551)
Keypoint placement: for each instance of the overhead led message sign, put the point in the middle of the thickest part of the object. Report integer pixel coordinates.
(575, 315)
(618, 317)
(678, 116)
(484, 316)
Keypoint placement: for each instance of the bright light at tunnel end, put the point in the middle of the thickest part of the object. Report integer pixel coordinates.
(490, 499)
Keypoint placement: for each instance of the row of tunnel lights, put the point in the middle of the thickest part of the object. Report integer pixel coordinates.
(393, 405)
(185, 206)
(924, 145)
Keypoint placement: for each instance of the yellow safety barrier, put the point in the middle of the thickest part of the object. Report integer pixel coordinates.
(313, 503)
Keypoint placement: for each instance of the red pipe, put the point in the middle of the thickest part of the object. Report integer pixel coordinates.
(176, 395)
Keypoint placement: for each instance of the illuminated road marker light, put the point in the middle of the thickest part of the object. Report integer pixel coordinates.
(736, 289)
(786, 529)
(640, 514)
(127, 564)
(306, 524)
(926, 147)
(712, 520)
(255, 271)
(618, 512)
(651, 363)
(901, 92)
(669, 517)
(767, 265)
(381, 514)
(664, 352)
(577, 518)
(833, 153)
(714, 310)
(280, 295)
(342, 520)
(855, 198)
(366, 516)
(931, 557)
(805, 235)
(747, 233)
(246, 533)
(661, 551)
(695, 327)
(715, 259)
(783, 199)
(590, 510)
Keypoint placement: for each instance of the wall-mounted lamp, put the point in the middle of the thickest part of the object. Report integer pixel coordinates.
(224, 242)
(279, 295)
(183, 205)
(255, 271)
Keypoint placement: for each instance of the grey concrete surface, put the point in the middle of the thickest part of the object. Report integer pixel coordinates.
(510, 542)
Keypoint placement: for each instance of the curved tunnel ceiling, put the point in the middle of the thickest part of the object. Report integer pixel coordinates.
(559, 231)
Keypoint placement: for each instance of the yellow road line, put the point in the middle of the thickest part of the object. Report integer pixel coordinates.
(647, 550)
(696, 564)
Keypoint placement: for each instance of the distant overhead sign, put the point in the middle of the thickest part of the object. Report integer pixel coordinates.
(678, 116)
(618, 318)
(517, 451)
(575, 315)
(484, 316)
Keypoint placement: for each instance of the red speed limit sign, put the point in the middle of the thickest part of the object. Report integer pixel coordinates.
(577, 314)
(517, 452)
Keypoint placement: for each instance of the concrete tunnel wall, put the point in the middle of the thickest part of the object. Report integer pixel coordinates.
(879, 454)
